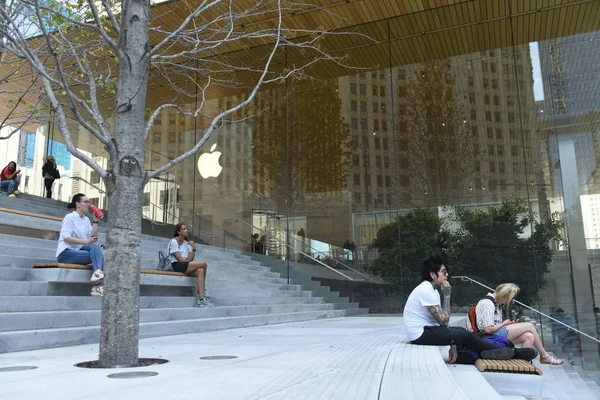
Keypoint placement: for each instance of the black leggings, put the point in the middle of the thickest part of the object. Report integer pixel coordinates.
(447, 336)
(48, 184)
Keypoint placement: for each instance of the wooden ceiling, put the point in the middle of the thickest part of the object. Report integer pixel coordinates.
(418, 31)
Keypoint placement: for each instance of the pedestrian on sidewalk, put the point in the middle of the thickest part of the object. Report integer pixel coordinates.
(50, 173)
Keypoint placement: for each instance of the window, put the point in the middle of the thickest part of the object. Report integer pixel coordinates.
(501, 167)
(375, 124)
(367, 180)
(382, 91)
(355, 160)
(383, 107)
(488, 116)
(363, 89)
(378, 161)
(363, 124)
(511, 116)
(94, 178)
(486, 99)
(474, 131)
(386, 162)
(363, 106)
(146, 199)
(380, 180)
(498, 133)
(375, 107)
(356, 179)
(388, 181)
(385, 140)
(490, 133)
(384, 125)
(471, 81)
(95, 201)
(377, 143)
(496, 100)
(353, 88)
(494, 83)
(472, 98)
(500, 150)
(354, 123)
(473, 115)
(491, 149)
(497, 117)
(353, 105)
(514, 151)
(405, 181)
(375, 88)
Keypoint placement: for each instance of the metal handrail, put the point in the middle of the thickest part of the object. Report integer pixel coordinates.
(312, 248)
(466, 278)
(78, 178)
(301, 252)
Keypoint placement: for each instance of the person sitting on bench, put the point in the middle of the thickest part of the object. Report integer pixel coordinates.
(78, 241)
(181, 257)
(426, 320)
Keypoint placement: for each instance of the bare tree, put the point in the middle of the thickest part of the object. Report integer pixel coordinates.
(93, 61)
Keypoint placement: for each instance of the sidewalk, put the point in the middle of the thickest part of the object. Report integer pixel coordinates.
(344, 358)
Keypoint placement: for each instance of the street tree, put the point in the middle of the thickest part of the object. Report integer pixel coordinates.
(91, 65)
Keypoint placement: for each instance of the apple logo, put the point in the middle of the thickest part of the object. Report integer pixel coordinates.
(208, 163)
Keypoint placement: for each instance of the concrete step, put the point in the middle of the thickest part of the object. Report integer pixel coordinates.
(58, 337)
(74, 303)
(217, 275)
(25, 288)
(19, 321)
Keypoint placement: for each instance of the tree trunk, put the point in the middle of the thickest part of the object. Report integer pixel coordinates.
(121, 302)
(125, 185)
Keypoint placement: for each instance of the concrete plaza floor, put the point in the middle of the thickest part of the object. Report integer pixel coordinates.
(344, 358)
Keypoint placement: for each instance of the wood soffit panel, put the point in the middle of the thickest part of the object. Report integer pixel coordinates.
(419, 31)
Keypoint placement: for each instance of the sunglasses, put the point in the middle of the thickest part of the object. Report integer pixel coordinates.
(444, 271)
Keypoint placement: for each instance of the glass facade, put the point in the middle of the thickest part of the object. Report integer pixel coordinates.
(468, 129)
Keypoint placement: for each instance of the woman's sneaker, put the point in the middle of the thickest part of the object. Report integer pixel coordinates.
(97, 291)
(206, 295)
(204, 303)
(97, 276)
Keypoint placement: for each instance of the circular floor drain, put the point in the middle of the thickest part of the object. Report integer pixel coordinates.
(142, 362)
(218, 357)
(132, 375)
(14, 369)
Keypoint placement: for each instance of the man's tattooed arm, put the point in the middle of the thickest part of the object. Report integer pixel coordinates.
(442, 313)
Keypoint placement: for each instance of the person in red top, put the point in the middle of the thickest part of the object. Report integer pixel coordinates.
(10, 179)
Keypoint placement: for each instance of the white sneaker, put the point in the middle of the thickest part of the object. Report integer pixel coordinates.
(97, 276)
(97, 291)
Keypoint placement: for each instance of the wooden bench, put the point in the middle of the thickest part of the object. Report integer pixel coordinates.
(89, 268)
(510, 366)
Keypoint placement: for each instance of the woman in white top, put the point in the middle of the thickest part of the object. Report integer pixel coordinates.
(181, 257)
(78, 241)
(489, 320)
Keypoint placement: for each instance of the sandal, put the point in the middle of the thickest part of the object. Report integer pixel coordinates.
(548, 359)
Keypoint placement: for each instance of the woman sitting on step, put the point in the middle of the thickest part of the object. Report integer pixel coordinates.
(78, 241)
(181, 257)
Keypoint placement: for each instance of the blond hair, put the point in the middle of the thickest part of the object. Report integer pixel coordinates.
(506, 291)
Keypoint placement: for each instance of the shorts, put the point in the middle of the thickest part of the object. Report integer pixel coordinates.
(502, 332)
(180, 266)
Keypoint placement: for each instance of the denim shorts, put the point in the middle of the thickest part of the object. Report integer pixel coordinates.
(502, 332)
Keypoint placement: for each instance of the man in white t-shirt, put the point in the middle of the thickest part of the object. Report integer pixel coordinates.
(426, 319)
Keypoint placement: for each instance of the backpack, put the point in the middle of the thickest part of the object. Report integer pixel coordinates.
(473, 316)
(163, 262)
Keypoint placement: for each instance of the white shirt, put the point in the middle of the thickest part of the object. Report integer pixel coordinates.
(183, 249)
(416, 315)
(487, 313)
(75, 226)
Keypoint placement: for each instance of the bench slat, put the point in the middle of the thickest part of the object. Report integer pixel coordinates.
(89, 267)
(511, 366)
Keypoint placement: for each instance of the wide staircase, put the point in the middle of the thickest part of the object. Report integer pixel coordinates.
(51, 307)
